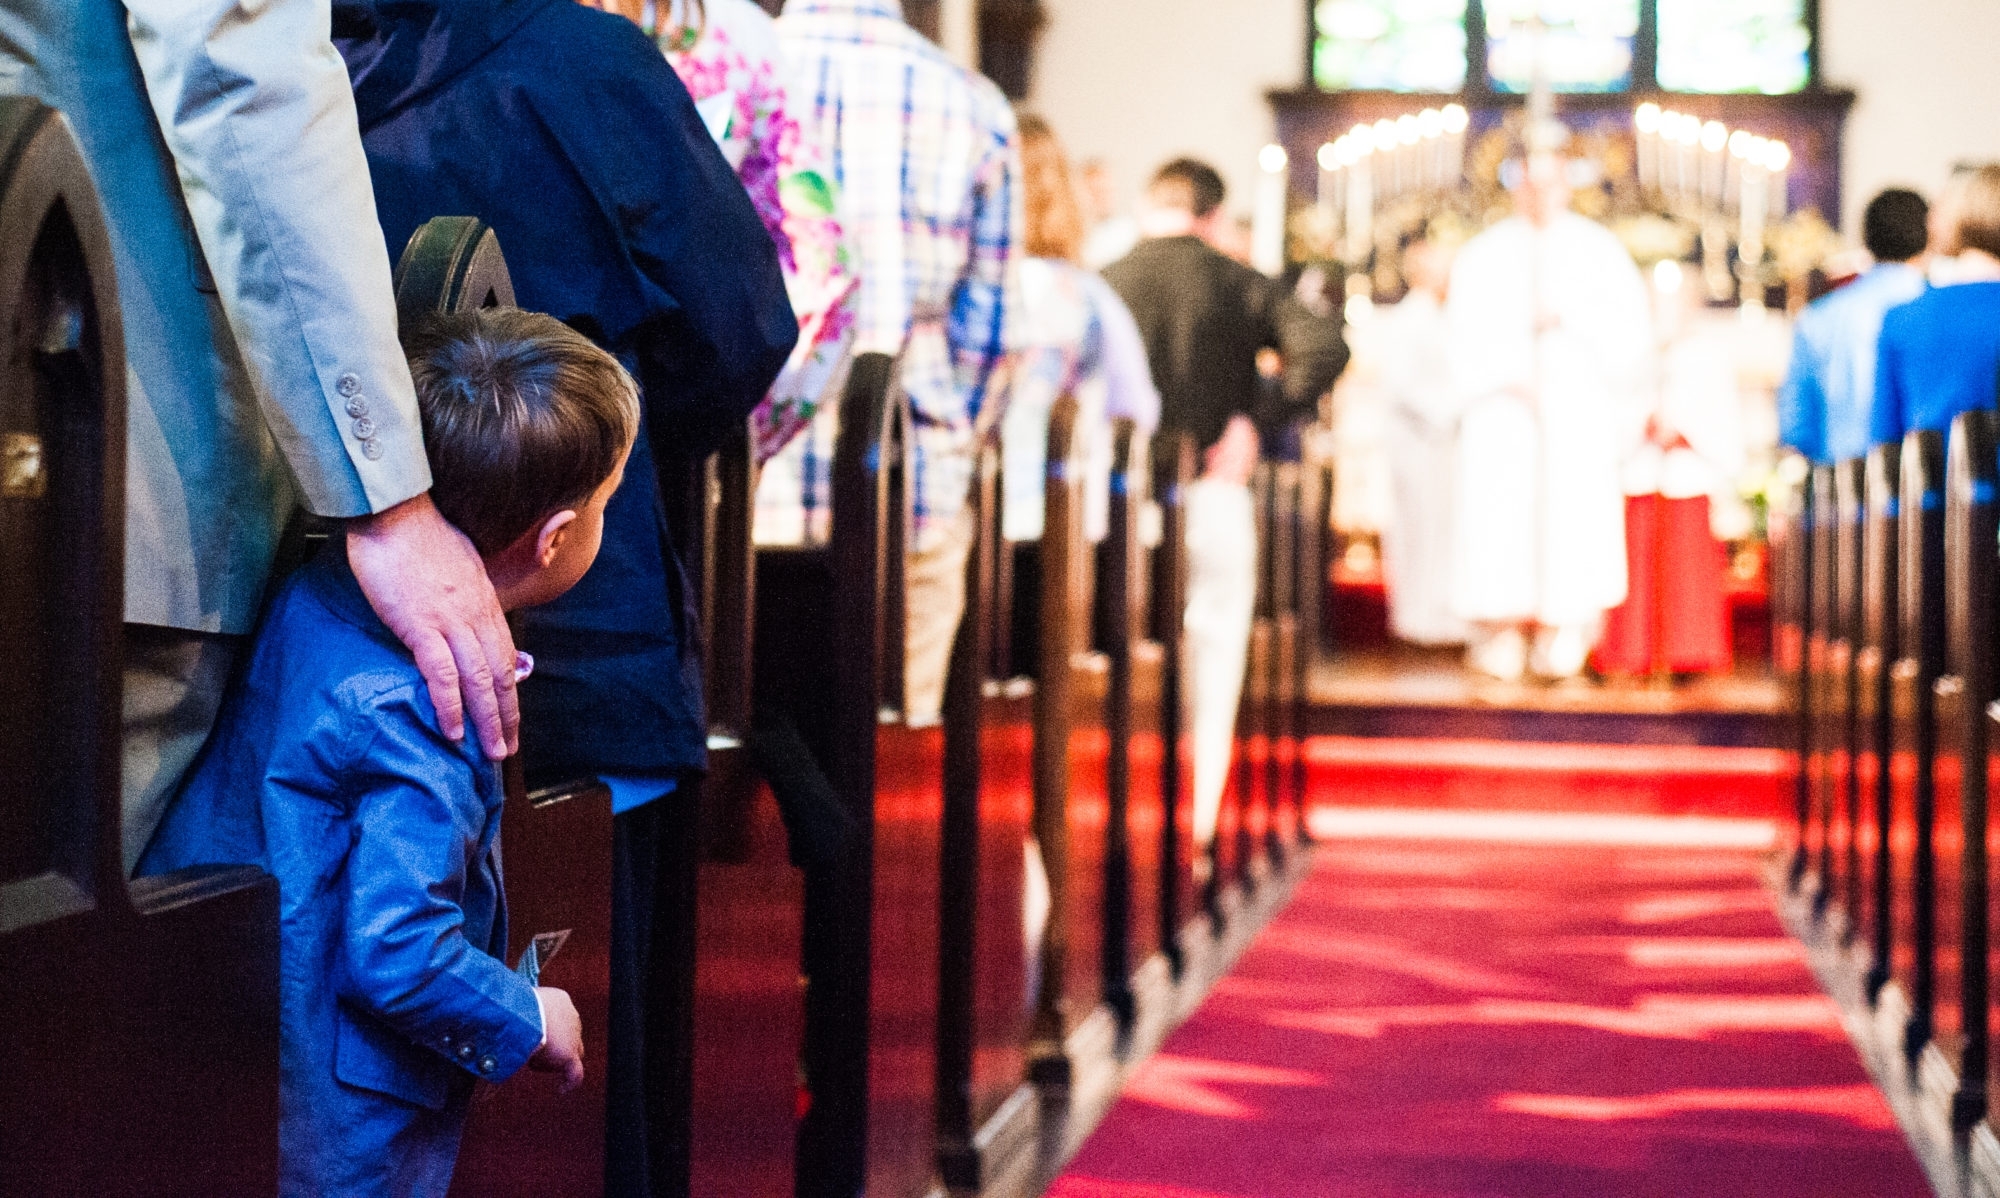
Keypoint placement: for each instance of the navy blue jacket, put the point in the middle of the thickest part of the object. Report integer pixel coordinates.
(566, 130)
(327, 768)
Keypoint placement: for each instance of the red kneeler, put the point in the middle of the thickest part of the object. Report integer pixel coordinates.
(1675, 617)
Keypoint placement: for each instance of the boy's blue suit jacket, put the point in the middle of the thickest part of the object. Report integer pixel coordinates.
(327, 769)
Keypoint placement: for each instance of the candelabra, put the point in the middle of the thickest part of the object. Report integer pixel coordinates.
(1706, 173)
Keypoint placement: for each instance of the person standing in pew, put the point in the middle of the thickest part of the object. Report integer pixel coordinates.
(329, 768)
(1940, 353)
(1205, 318)
(565, 129)
(263, 367)
(1076, 337)
(924, 159)
(1828, 397)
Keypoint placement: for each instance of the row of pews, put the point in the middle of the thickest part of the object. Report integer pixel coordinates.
(1885, 606)
(892, 955)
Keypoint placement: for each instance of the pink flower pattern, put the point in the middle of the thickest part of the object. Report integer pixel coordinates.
(794, 197)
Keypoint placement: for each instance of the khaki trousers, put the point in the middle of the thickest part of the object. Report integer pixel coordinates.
(1222, 605)
(174, 682)
(934, 581)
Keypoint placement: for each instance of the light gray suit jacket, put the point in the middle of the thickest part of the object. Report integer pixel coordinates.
(259, 320)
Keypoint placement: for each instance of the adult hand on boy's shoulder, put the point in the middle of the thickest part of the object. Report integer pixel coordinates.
(426, 582)
(562, 1038)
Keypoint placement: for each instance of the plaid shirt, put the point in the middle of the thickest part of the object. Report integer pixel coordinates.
(922, 152)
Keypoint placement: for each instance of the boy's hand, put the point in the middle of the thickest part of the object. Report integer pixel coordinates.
(562, 1038)
(425, 580)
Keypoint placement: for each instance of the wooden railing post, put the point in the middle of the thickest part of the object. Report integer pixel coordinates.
(1971, 506)
(1874, 711)
(1920, 640)
(1173, 459)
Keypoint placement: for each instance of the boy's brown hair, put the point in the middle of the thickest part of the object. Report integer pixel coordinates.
(522, 415)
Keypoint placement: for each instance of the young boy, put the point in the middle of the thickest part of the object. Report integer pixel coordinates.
(327, 768)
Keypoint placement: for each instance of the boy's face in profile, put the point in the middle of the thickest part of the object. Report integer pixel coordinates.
(554, 556)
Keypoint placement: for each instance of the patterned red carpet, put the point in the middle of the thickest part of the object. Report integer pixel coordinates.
(1599, 1006)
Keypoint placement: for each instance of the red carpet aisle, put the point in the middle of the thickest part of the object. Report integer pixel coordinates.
(1590, 1006)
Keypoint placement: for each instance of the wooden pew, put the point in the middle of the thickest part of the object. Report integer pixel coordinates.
(1173, 469)
(1072, 766)
(1283, 800)
(871, 947)
(1315, 635)
(732, 1090)
(1884, 841)
(142, 1017)
(1137, 974)
(1920, 643)
(985, 1108)
(1962, 695)
(1791, 563)
(1825, 523)
(1843, 641)
(526, 1137)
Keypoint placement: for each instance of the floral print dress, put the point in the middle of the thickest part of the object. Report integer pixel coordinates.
(733, 71)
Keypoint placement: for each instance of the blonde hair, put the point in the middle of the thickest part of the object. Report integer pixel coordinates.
(1053, 217)
(1978, 211)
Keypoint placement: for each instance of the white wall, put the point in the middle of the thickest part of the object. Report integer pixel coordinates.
(1929, 93)
(1136, 82)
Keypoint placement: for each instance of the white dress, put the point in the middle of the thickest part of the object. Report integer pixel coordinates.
(1422, 444)
(1551, 361)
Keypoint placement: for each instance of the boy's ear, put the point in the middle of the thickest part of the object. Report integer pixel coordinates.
(549, 540)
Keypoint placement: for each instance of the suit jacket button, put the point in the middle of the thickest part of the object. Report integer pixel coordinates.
(357, 407)
(465, 1052)
(364, 428)
(487, 1064)
(371, 449)
(349, 385)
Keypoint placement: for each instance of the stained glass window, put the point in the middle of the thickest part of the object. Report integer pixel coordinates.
(1587, 43)
(1389, 45)
(1734, 46)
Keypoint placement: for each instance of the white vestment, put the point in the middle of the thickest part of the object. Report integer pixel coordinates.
(1551, 347)
(1413, 342)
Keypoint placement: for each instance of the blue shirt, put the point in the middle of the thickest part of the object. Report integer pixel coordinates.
(1829, 392)
(328, 770)
(1940, 356)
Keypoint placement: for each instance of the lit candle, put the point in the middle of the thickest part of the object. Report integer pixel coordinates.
(1267, 215)
(1408, 134)
(1778, 160)
(1750, 226)
(1714, 139)
(1328, 195)
(1455, 120)
(1741, 144)
(1360, 194)
(1670, 149)
(1384, 169)
(1430, 122)
(1646, 126)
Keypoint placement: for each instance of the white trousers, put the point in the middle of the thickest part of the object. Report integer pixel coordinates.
(1222, 601)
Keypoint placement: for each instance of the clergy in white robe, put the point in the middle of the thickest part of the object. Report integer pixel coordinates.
(1413, 342)
(1551, 348)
